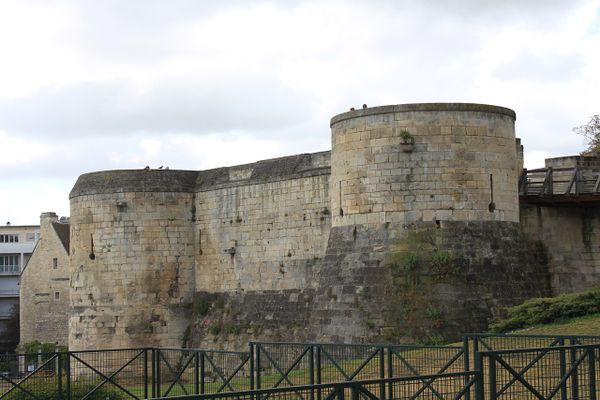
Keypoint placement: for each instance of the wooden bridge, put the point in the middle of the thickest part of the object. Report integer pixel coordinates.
(571, 186)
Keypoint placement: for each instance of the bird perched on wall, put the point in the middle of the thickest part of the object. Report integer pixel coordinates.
(364, 106)
(147, 168)
(161, 167)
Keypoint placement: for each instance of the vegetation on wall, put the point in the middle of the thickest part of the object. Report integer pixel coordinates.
(548, 310)
(416, 265)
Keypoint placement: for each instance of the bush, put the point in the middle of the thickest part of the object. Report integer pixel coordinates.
(32, 349)
(547, 310)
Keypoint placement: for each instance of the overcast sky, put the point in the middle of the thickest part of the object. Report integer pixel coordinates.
(95, 85)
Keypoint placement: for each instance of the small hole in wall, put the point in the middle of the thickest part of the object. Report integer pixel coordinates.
(354, 233)
(341, 212)
(438, 223)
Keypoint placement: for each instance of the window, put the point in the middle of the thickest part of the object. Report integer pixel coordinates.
(56, 295)
(55, 263)
(9, 263)
(9, 238)
(30, 237)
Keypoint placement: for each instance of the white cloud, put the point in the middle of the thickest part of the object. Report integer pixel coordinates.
(88, 85)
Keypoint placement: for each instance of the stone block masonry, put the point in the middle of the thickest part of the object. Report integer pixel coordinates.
(371, 241)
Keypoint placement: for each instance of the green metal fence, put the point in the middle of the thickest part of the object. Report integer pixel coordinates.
(75, 375)
(510, 366)
(187, 371)
(456, 385)
(560, 372)
(292, 364)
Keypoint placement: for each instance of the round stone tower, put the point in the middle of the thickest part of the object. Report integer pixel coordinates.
(424, 162)
(132, 258)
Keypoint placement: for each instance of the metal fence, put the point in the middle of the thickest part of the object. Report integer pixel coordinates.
(185, 371)
(561, 372)
(76, 375)
(458, 385)
(292, 364)
(510, 366)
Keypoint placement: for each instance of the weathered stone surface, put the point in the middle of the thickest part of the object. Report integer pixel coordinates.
(368, 242)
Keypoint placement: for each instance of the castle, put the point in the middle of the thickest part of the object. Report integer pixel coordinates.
(410, 227)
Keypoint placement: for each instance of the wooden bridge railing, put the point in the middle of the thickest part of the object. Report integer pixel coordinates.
(577, 184)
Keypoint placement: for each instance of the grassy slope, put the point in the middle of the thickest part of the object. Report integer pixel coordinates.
(588, 325)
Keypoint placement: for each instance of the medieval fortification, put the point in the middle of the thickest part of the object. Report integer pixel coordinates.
(410, 227)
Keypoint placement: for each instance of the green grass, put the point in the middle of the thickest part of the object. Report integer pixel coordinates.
(587, 325)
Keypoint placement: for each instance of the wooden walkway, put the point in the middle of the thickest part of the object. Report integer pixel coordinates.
(560, 186)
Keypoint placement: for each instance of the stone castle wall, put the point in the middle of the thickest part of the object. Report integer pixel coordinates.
(572, 238)
(458, 150)
(132, 262)
(256, 230)
(366, 242)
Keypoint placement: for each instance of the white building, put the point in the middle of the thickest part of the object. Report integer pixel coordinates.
(16, 245)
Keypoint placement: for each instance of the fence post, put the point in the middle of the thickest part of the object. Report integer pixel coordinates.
(196, 372)
(157, 368)
(153, 356)
(59, 374)
(574, 377)
(492, 377)
(251, 345)
(202, 372)
(257, 355)
(146, 373)
(592, 372)
(466, 363)
(311, 366)
(318, 360)
(68, 373)
(390, 368)
(563, 369)
(382, 372)
(479, 385)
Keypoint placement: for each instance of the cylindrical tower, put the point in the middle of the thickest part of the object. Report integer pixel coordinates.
(424, 162)
(132, 258)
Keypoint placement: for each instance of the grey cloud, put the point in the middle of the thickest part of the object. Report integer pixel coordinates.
(101, 109)
(529, 67)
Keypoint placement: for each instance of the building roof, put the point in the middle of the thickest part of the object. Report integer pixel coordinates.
(62, 231)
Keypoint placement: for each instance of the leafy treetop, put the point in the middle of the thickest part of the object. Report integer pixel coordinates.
(591, 133)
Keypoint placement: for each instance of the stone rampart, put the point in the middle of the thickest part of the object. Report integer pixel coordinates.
(408, 228)
(132, 267)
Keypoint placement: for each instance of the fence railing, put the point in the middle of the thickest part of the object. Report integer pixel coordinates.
(530, 366)
(458, 385)
(292, 364)
(562, 372)
(185, 371)
(75, 375)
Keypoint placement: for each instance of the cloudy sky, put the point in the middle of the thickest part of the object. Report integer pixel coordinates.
(94, 85)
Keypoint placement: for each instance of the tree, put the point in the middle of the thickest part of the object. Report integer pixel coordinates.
(591, 133)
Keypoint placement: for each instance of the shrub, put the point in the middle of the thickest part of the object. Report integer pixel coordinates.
(33, 348)
(201, 306)
(441, 263)
(551, 309)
